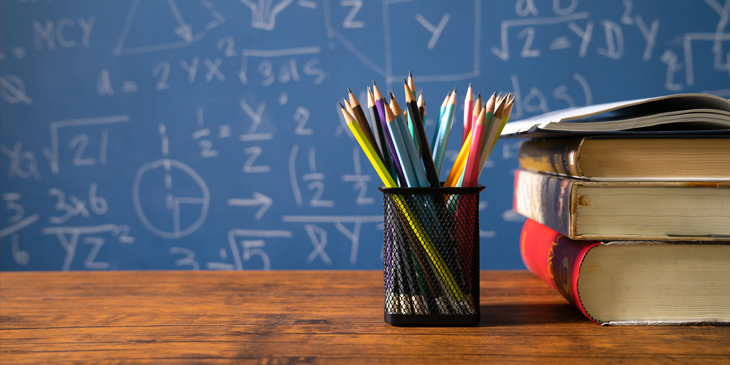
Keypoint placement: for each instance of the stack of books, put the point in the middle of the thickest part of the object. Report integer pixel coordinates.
(629, 208)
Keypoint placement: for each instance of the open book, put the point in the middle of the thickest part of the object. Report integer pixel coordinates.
(697, 114)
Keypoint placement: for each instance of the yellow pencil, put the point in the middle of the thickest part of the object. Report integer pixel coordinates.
(450, 283)
(368, 149)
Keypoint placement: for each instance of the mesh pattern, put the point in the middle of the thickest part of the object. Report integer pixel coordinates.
(431, 251)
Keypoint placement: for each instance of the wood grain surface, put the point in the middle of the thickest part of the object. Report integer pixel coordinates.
(310, 317)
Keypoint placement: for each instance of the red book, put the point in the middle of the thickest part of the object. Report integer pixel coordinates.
(555, 259)
(633, 282)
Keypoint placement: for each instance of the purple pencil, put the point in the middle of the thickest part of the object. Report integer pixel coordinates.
(381, 105)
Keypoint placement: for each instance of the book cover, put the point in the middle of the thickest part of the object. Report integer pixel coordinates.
(555, 259)
(625, 210)
(633, 282)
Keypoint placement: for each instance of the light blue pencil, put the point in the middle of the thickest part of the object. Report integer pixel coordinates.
(444, 132)
(413, 154)
(438, 122)
(400, 148)
(411, 145)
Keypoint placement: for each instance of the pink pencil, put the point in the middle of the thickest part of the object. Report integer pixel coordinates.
(477, 110)
(468, 110)
(471, 175)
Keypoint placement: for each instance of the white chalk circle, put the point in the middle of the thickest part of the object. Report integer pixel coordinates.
(173, 202)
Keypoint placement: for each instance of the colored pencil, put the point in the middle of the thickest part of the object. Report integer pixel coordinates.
(363, 122)
(477, 109)
(378, 133)
(381, 104)
(468, 111)
(401, 151)
(413, 156)
(444, 131)
(347, 105)
(422, 107)
(490, 133)
(368, 149)
(457, 171)
(505, 119)
(438, 121)
(447, 282)
(411, 127)
(470, 171)
(428, 164)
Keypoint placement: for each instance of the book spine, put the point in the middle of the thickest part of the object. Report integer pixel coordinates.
(545, 199)
(553, 156)
(555, 259)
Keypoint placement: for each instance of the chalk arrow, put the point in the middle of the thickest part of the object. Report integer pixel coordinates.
(258, 199)
(185, 32)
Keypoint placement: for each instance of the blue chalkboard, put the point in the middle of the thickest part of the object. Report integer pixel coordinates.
(202, 134)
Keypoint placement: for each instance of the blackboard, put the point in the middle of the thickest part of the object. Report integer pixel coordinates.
(202, 134)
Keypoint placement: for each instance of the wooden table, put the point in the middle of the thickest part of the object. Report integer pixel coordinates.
(313, 317)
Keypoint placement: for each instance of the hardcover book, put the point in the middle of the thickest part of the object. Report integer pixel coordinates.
(621, 210)
(633, 282)
(634, 159)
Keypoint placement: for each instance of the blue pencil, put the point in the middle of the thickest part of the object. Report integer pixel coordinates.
(400, 148)
(444, 131)
(410, 146)
(438, 122)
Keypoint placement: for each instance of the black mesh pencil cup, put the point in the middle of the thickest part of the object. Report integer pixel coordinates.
(431, 256)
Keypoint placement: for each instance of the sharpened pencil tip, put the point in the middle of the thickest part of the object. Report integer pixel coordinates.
(410, 74)
(349, 91)
(374, 83)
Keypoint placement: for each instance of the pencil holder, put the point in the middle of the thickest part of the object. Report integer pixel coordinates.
(431, 256)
